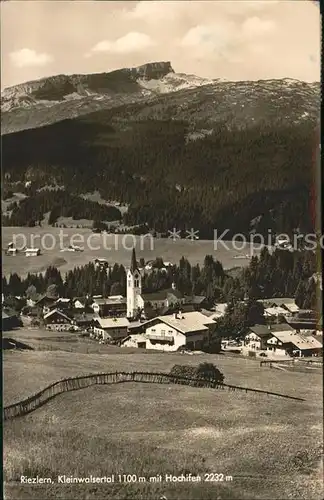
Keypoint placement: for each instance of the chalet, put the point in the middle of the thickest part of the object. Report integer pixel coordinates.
(304, 319)
(111, 329)
(32, 252)
(45, 302)
(257, 336)
(287, 341)
(111, 306)
(286, 303)
(84, 321)
(57, 320)
(281, 339)
(170, 332)
(163, 298)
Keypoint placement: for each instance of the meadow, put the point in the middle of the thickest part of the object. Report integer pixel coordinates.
(270, 446)
(115, 248)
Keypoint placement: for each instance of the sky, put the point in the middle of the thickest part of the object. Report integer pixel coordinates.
(235, 40)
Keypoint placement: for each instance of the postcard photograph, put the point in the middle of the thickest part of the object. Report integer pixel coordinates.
(162, 329)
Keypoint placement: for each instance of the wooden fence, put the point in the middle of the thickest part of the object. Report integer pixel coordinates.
(292, 362)
(71, 384)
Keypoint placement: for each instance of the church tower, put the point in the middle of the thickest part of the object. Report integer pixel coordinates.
(134, 287)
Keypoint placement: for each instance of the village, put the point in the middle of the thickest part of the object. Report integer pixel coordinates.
(167, 320)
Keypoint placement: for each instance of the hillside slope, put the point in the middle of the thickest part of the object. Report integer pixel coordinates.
(201, 154)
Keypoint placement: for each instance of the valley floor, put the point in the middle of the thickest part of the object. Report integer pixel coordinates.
(270, 446)
(114, 248)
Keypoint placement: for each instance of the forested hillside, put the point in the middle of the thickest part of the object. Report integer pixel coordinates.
(240, 179)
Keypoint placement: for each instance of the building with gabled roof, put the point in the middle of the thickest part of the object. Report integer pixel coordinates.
(172, 331)
(57, 320)
(110, 329)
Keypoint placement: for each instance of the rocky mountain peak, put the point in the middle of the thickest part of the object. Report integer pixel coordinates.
(154, 70)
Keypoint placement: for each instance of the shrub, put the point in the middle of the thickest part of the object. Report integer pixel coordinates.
(209, 371)
(206, 371)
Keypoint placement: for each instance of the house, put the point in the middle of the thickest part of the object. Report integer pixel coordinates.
(286, 303)
(63, 303)
(110, 306)
(304, 319)
(32, 252)
(11, 250)
(170, 332)
(78, 303)
(197, 301)
(111, 329)
(57, 320)
(220, 310)
(101, 263)
(45, 302)
(256, 338)
(84, 321)
(274, 312)
(288, 341)
(281, 339)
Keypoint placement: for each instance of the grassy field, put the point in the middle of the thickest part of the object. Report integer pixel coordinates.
(270, 446)
(116, 248)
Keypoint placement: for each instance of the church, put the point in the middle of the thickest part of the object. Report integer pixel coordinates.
(155, 303)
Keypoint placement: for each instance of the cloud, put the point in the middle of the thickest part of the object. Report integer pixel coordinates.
(132, 42)
(27, 57)
(254, 27)
(209, 38)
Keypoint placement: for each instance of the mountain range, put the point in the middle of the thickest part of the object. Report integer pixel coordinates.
(170, 145)
(61, 97)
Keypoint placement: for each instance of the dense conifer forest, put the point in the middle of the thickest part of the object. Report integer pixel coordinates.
(280, 274)
(241, 179)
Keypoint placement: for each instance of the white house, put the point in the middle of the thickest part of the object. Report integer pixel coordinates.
(168, 333)
(78, 304)
(111, 328)
(256, 338)
(32, 252)
(282, 340)
(274, 311)
(286, 303)
(11, 249)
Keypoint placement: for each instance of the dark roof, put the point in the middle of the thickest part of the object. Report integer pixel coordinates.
(195, 299)
(281, 327)
(110, 302)
(278, 300)
(161, 295)
(175, 292)
(133, 266)
(46, 297)
(260, 330)
(84, 317)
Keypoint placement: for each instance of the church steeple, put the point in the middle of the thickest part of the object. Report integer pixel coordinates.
(133, 266)
(134, 287)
